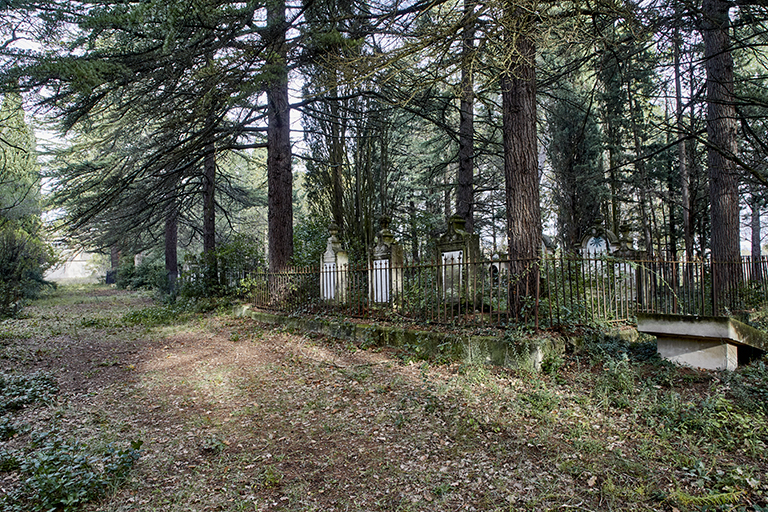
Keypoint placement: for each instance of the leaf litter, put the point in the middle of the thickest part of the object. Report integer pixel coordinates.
(235, 415)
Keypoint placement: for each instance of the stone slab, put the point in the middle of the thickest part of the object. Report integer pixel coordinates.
(701, 327)
(704, 342)
(488, 349)
(709, 355)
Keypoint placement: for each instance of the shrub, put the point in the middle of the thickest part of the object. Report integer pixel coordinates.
(749, 386)
(616, 383)
(715, 417)
(234, 260)
(63, 475)
(24, 258)
(149, 274)
(18, 391)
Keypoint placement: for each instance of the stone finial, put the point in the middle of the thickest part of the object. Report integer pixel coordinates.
(333, 229)
(334, 244)
(626, 241)
(386, 237)
(457, 223)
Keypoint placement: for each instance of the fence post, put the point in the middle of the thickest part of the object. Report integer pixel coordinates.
(334, 265)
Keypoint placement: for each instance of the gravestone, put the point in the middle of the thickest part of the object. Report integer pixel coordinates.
(599, 242)
(458, 257)
(385, 279)
(334, 268)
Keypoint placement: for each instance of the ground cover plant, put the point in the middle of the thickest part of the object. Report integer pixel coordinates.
(203, 411)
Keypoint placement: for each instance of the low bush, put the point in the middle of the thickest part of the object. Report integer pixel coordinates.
(148, 275)
(24, 258)
(52, 473)
(62, 476)
(715, 417)
(749, 385)
(16, 391)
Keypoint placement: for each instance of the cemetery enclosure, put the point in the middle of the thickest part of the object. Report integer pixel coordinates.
(568, 291)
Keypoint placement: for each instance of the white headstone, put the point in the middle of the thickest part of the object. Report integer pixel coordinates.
(381, 281)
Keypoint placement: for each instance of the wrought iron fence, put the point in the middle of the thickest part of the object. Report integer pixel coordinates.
(568, 290)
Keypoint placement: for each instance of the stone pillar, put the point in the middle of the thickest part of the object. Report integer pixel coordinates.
(334, 269)
(385, 279)
(458, 256)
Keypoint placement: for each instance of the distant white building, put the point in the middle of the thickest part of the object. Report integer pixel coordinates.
(77, 267)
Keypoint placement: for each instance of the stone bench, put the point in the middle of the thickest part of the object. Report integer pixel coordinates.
(712, 343)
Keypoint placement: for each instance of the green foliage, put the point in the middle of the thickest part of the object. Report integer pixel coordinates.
(16, 391)
(759, 317)
(270, 477)
(19, 171)
(616, 384)
(749, 386)
(55, 474)
(149, 274)
(7, 428)
(711, 500)
(540, 401)
(715, 417)
(24, 258)
(158, 315)
(245, 252)
(63, 475)
(575, 154)
(552, 363)
(235, 260)
(601, 346)
(309, 240)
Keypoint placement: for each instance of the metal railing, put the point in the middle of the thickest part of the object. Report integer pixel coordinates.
(551, 291)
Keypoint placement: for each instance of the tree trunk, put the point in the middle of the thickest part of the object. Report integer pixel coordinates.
(644, 186)
(337, 156)
(279, 177)
(384, 165)
(447, 192)
(414, 232)
(682, 154)
(209, 217)
(722, 148)
(757, 250)
(114, 257)
(521, 173)
(465, 178)
(171, 244)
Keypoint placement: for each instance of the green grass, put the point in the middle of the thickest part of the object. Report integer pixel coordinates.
(265, 419)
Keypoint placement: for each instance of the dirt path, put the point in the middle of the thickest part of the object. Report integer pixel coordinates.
(237, 416)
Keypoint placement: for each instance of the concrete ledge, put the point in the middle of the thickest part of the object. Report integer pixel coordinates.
(705, 342)
(721, 328)
(488, 349)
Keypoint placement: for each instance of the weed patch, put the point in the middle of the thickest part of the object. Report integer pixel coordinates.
(62, 476)
(154, 316)
(16, 391)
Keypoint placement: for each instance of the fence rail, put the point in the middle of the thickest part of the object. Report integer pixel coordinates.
(568, 290)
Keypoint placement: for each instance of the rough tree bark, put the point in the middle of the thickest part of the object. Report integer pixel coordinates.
(757, 240)
(518, 92)
(279, 176)
(722, 146)
(682, 154)
(465, 193)
(171, 247)
(209, 216)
